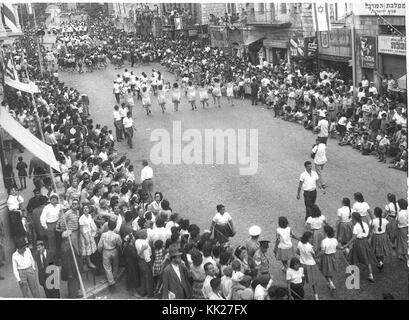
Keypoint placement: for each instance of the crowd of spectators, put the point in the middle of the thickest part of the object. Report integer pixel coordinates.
(110, 215)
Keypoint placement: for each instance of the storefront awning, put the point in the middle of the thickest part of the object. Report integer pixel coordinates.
(251, 39)
(402, 82)
(38, 148)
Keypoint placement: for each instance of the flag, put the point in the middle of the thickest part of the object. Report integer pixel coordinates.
(320, 17)
(11, 71)
(21, 86)
(29, 8)
(9, 18)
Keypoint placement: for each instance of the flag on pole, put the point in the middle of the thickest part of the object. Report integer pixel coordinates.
(11, 71)
(29, 8)
(320, 17)
(11, 79)
(9, 17)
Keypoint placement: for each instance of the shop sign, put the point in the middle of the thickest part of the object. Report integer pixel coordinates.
(303, 47)
(392, 45)
(192, 33)
(367, 52)
(383, 8)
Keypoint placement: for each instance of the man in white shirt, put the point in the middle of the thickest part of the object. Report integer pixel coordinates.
(24, 270)
(118, 123)
(209, 270)
(145, 268)
(320, 158)
(146, 178)
(308, 182)
(323, 127)
(48, 219)
(128, 126)
(117, 92)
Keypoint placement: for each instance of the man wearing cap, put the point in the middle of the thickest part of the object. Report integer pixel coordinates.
(175, 278)
(252, 244)
(43, 259)
(260, 258)
(24, 270)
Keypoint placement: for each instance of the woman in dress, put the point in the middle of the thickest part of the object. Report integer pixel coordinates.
(344, 225)
(241, 256)
(391, 212)
(362, 207)
(329, 247)
(197, 273)
(161, 98)
(380, 241)
(146, 100)
(230, 92)
(88, 231)
(222, 225)
(361, 251)
(203, 95)
(176, 95)
(217, 92)
(191, 95)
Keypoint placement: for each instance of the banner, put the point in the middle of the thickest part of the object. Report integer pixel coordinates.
(383, 8)
(26, 87)
(38, 148)
(367, 52)
(392, 45)
(320, 17)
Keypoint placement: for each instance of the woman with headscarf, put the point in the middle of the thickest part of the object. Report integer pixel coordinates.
(130, 256)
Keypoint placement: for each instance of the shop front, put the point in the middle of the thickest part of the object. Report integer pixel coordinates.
(275, 50)
(392, 51)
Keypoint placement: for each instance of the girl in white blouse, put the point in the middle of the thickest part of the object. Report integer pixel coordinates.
(402, 219)
(315, 224)
(391, 212)
(361, 251)
(380, 242)
(344, 224)
(362, 207)
(283, 249)
(295, 280)
(328, 249)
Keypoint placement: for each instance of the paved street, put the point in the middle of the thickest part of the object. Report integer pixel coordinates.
(195, 190)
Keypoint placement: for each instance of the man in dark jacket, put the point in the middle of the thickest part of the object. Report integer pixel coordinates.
(175, 276)
(254, 92)
(43, 259)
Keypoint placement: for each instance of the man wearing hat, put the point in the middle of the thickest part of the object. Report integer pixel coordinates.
(43, 259)
(175, 278)
(252, 244)
(260, 258)
(24, 270)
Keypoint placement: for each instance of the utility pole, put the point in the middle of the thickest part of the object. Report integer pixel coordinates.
(353, 55)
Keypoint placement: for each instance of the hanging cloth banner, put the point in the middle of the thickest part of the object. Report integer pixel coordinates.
(26, 87)
(38, 148)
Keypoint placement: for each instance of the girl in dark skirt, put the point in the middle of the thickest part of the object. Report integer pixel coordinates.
(329, 247)
(391, 211)
(222, 225)
(402, 219)
(344, 224)
(380, 242)
(295, 280)
(307, 258)
(361, 251)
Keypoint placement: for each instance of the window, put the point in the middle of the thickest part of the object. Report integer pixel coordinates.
(283, 8)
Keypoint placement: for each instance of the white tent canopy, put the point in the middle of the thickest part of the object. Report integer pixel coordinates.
(38, 148)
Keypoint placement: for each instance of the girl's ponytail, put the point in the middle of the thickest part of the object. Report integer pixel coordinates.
(380, 224)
